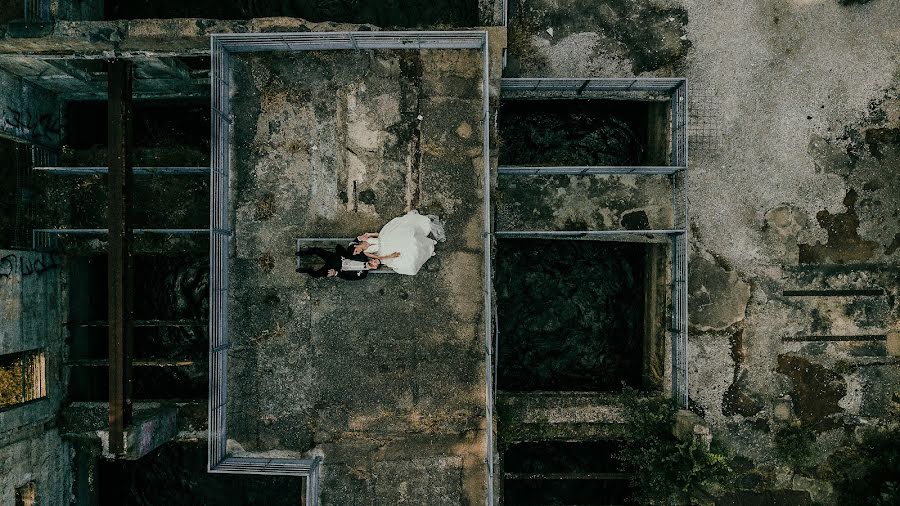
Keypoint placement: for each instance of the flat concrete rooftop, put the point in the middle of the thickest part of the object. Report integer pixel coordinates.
(385, 377)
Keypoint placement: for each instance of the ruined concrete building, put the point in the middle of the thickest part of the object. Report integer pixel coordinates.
(670, 273)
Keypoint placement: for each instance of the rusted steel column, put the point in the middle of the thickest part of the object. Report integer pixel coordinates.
(121, 288)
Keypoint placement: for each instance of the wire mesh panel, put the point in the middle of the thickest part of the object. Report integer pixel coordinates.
(583, 170)
(219, 234)
(42, 156)
(679, 105)
(705, 118)
(679, 320)
(43, 239)
(138, 171)
(37, 10)
(578, 86)
(318, 41)
(679, 200)
(218, 396)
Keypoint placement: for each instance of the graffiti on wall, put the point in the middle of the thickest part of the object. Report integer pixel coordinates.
(43, 128)
(21, 266)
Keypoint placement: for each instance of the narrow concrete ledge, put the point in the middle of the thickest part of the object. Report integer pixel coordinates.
(539, 416)
(150, 428)
(146, 433)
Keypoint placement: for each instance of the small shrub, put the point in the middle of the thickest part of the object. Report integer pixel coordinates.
(664, 469)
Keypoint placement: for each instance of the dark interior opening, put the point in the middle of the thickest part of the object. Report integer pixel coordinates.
(384, 13)
(167, 133)
(15, 195)
(584, 473)
(171, 304)
(570, 314)
(583, 132)
(176, 474)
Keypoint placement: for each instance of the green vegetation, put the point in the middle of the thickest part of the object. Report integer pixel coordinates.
(664, 469)
(869, 472)
(793, 444)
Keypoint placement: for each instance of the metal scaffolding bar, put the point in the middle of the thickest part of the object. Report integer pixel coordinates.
(585, 170)
(580, 85)
(572, 234)
(318, 41)
(120, 272)
(487, 243)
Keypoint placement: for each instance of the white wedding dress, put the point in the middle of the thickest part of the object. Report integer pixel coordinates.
(408, 235)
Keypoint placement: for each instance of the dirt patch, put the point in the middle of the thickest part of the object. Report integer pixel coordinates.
(266, 263)
(265, 207)
(636, 220)
(816, 392)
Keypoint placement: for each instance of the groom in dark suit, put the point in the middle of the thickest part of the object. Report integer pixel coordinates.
(341, 263)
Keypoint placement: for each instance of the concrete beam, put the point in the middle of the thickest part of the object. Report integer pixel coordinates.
(69, 68)
(146, 433)
(151, 428)
(120, 272)
(166, 67)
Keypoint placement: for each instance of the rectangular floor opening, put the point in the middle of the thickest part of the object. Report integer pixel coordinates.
(407, 13)
(170, 327)
(579, 315)
(583, 132)
(167, 133)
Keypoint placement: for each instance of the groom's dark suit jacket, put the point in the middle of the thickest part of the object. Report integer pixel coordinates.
(333, 261)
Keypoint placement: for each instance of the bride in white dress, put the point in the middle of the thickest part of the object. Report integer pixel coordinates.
(403, 243)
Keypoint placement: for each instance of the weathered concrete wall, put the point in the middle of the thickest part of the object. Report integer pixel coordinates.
(28, 112)
(42, 458)
(31, 302)
(795, 128)
(31, 307)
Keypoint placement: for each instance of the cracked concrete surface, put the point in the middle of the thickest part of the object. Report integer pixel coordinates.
(794, 203)
(383, 377)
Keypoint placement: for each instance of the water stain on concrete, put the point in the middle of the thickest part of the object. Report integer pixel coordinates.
(844, 245)
(815, 393)
(738, 399)
(650, 36)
